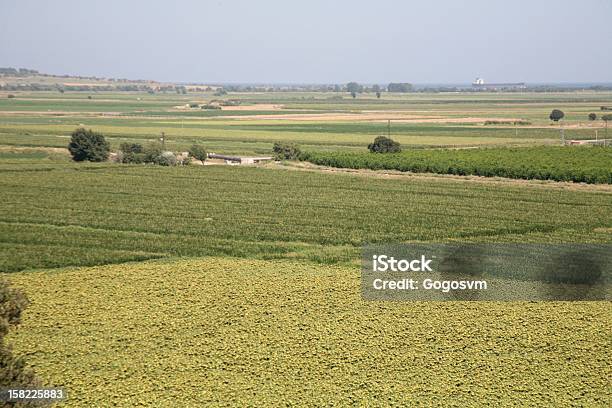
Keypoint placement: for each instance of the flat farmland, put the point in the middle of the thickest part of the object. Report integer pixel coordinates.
(319, 121)
(240, 285)
(66, 214)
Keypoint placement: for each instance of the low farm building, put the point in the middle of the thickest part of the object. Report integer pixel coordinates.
(239, 159)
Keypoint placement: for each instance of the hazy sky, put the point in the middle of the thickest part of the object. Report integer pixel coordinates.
(312, 41)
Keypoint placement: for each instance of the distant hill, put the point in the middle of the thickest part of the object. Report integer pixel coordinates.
(24, 79)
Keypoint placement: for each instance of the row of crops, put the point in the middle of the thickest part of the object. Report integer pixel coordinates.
(56, 215)
(560, 163)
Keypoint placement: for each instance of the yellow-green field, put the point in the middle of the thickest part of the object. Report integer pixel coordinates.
(223, 331)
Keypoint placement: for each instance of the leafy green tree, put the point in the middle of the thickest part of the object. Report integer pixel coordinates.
(220, 92)
(286, 151)
(354, 94)
(556, 115)
(399, 87)
(592, 116)
(132, 153)
(198, 152)
(383, 144)
(378, 95)
(131, 147)
(88, 145)
(13, 370)
(151, 153)
(354, 87)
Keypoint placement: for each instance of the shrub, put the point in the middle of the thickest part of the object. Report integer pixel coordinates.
(88, 145)
(166, 159)
(210, 107)
(131, 147)
(13, 370)
(151, 153)
(131, 153)
(383, 144)
(286, 151)
(198, 152)
(556, 115)
(10, 96)
(194, 105)
(592, 116)
(130, 157)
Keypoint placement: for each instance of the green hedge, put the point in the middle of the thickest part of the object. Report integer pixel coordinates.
(591, 164)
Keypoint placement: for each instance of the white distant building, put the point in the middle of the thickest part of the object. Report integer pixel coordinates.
(238, 159)
(479, 84)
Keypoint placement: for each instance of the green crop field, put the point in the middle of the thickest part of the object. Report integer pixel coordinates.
(59, 214)
(577, 164)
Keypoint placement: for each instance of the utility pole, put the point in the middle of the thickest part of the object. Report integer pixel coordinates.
(515, 129)
(389, 128)
(163, 140)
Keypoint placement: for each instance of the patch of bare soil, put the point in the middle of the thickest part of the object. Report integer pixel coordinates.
(91, 84)
(58, 113)
(370, 116)
(451, 120)
(257, 107)
(331, 117)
